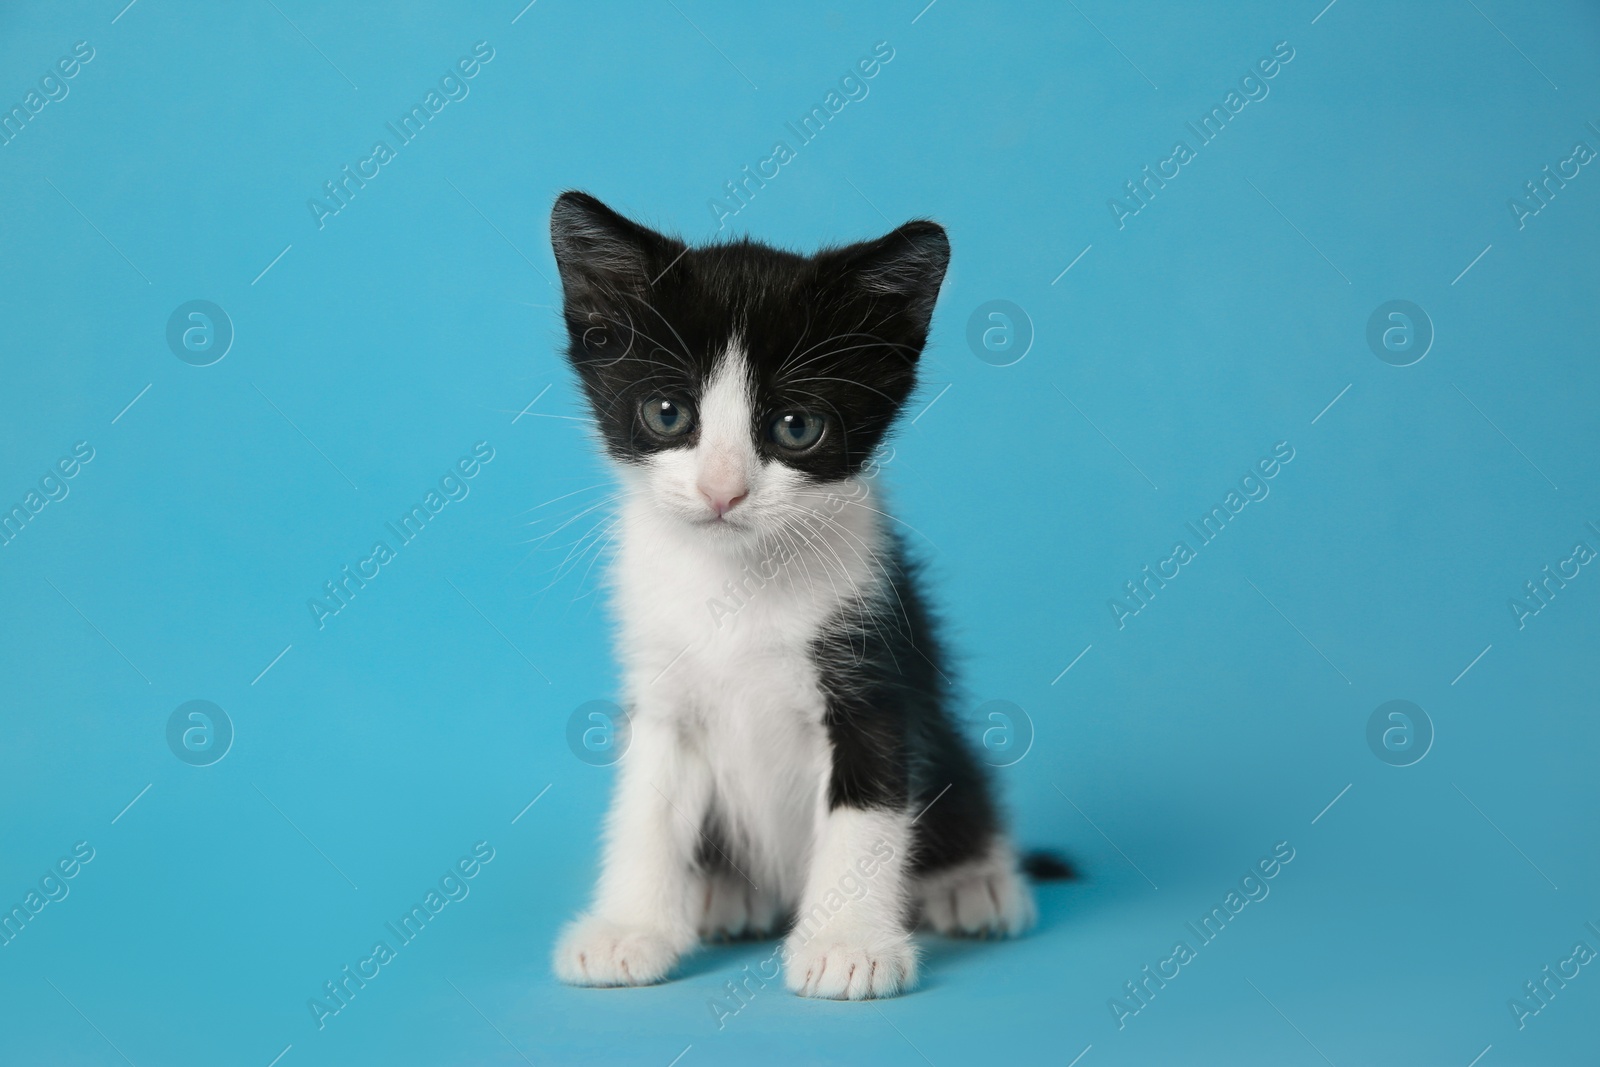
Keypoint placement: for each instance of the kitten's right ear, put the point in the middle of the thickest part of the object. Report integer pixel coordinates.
(599, 252)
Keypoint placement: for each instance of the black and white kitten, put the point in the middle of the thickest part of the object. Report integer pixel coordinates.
(793, 757)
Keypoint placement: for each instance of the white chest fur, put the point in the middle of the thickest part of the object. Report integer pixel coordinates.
(716, 639)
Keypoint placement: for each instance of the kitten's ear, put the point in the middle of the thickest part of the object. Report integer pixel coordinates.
(598, 251)
(905, 266)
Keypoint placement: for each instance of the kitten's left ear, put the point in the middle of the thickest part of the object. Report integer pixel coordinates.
(597, 249)
(906, 266)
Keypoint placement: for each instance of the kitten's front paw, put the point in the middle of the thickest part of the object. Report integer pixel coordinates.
(844, 969)
(735, 909)
(593, 951)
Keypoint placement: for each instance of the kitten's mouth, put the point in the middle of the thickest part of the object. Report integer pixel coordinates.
(723, 525)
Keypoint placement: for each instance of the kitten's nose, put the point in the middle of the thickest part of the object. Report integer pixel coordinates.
(724, 497)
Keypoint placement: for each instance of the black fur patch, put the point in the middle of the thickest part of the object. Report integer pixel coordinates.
(836, 333)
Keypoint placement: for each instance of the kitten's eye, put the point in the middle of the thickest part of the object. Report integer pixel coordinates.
(666, 418)
(796, 431)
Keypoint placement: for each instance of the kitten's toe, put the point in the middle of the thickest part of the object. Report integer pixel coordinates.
(734, 909)
(988, 898)
(596, 952)
(852, 970)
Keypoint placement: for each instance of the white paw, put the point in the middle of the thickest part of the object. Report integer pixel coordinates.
(979, 900)
(735, 909)
(827, 966)
(594, 951)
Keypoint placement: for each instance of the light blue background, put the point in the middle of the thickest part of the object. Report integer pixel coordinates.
(1221, 320)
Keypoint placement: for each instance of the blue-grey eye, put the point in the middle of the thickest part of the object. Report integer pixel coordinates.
(796, 431)
(666, 418)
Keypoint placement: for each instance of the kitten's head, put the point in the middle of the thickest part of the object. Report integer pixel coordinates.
(738, 381)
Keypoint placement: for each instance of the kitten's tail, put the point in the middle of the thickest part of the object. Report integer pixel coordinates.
(1042, 865)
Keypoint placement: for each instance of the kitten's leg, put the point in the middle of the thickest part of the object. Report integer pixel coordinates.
(850, 940)
(648, 901)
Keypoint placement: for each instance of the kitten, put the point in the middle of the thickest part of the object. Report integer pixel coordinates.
(793, 755)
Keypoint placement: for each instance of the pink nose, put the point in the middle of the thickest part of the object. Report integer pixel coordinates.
(722, 498)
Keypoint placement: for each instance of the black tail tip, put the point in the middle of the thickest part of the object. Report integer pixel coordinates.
(1044, 866)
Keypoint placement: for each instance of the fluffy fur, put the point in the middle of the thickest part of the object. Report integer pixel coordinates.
(794, 765)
